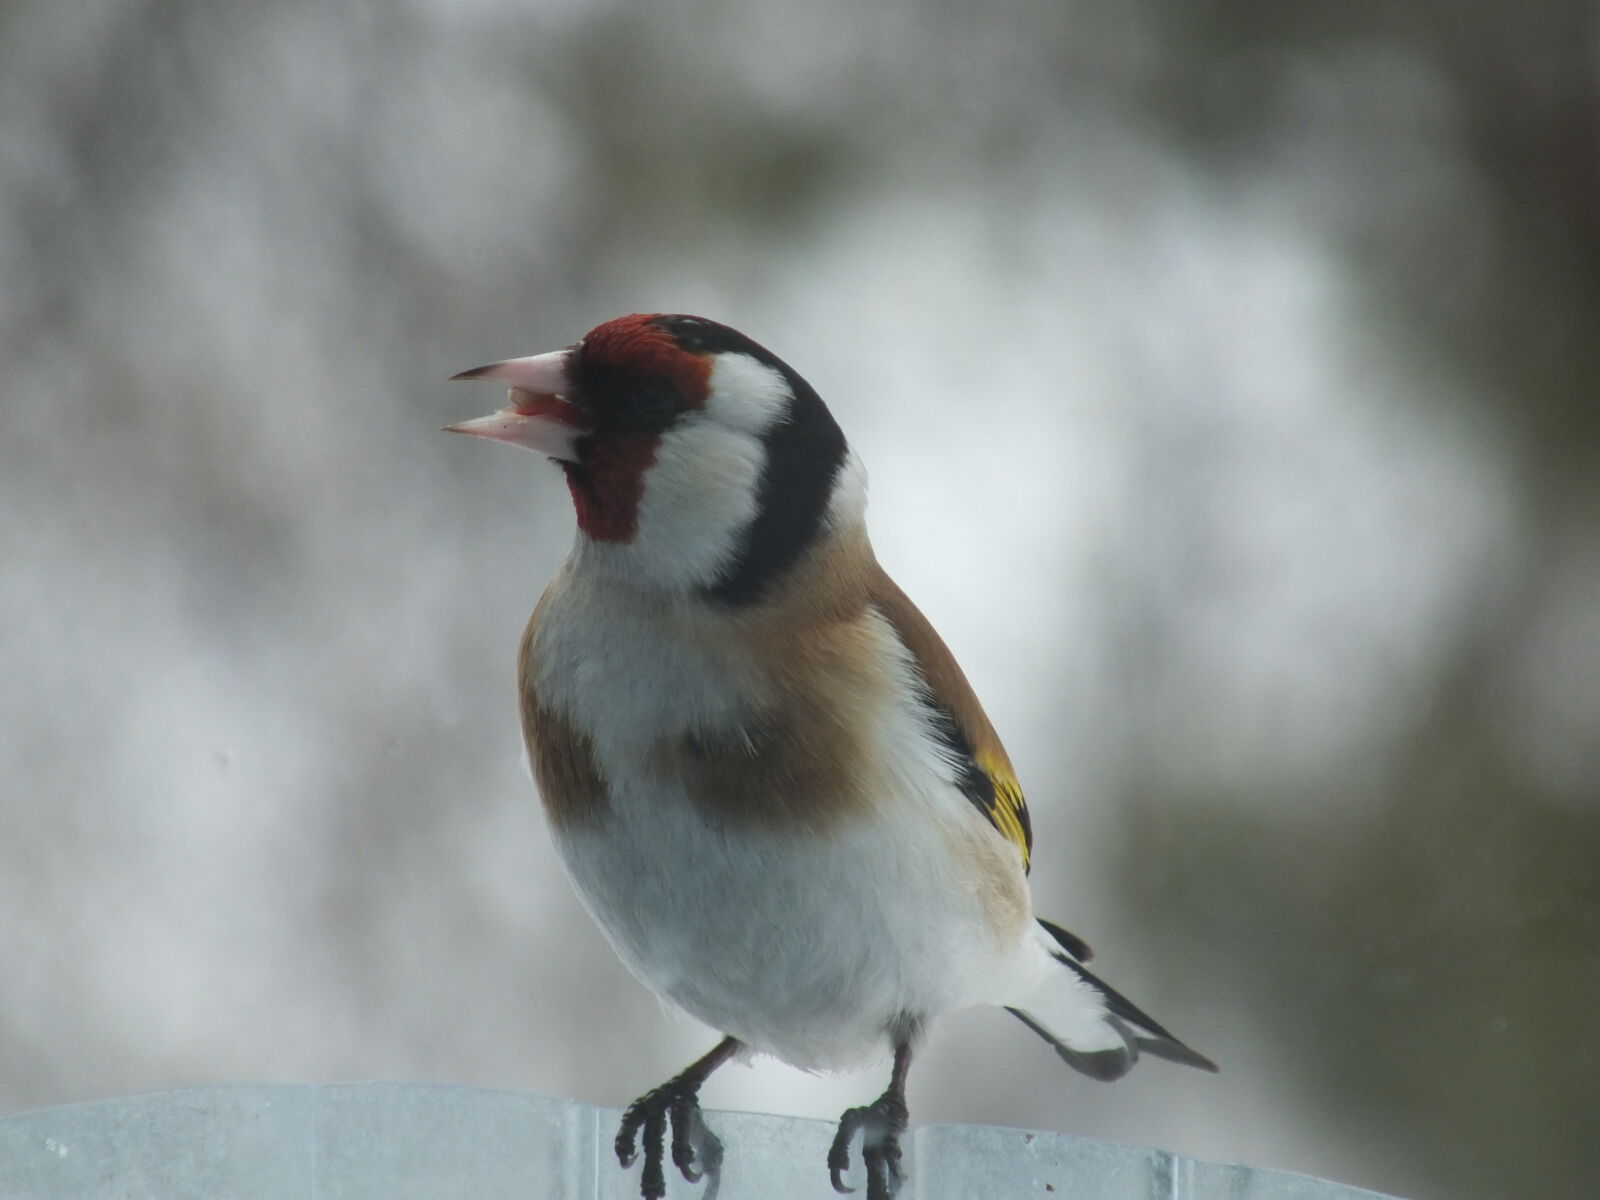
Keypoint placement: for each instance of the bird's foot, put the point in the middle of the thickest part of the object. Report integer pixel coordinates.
(696, 1152)
(880, 1123)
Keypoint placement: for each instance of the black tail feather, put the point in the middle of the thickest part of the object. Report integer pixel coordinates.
(1140, 1031)
(1070, 942)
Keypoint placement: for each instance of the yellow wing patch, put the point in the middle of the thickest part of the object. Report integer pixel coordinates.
(986, 779)
(1003, 804)
(956, 719)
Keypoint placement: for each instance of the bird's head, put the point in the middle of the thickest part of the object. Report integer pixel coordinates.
(698, 461)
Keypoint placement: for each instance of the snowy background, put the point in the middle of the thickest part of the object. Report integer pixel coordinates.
(1231, 392)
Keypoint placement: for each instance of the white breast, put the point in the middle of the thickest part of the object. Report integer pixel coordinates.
(809, 948)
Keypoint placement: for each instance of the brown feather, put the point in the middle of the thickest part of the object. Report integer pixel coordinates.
(811, 663)
(992, 783)
(800, 759)
(570, 785)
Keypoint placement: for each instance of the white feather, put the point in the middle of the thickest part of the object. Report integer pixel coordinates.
(808, 948)
(699, 496)
(1070, 1009)
(701, 492)
(629, 666)
(814, 948)
(848, 504)
(747, 395)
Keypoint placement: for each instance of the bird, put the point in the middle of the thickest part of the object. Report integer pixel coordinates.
(767, 777)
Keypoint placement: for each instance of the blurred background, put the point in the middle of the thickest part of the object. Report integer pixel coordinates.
(1230, 384)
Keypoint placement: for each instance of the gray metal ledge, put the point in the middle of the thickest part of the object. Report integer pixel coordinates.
(401, 1141)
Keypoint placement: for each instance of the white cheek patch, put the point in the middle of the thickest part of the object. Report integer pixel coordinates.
(747, 395)
(699, 496)
(703, 490)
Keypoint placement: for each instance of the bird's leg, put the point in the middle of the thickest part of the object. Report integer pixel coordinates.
(881, 1123)
(675, 1103)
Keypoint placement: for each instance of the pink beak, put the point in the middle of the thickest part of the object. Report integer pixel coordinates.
(538, 417)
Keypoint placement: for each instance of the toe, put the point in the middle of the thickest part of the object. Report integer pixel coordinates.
(626, 1143)
(839, 1152)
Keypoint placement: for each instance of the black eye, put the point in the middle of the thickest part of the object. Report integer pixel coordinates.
(653, 401)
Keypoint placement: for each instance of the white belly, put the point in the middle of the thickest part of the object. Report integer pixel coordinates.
(809, 946)
(807, 949)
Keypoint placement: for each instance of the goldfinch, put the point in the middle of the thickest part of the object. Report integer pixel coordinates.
(769, 781)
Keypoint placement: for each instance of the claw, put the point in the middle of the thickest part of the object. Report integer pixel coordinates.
(882, 1122)
(682, 1111)
(839, 1152)
(626, 1143)
(674, 1107)
(706, 1148)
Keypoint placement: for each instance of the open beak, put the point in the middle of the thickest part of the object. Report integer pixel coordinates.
(537, 416)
